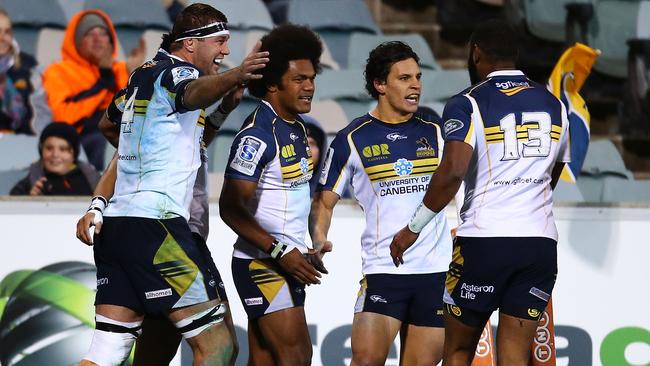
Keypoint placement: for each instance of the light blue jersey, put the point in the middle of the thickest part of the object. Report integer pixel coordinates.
(159, 147)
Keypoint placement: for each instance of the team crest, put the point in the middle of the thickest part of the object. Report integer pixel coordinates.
(424, 150)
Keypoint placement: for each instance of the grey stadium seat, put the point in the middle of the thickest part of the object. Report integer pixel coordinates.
(341, 84)
(335, 21)
(615, 23)
(29, 17)
(626, 191)
(440, 85)
(18, 151)
(546, 18)
(362, 43)
(603, 158)
(9, 178)
(243, 14)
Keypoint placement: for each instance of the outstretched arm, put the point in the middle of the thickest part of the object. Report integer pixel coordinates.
(320, 219)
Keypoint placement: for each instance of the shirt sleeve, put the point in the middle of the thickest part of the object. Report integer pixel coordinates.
(336, 169)
(457, 121)
(175, 80)
(564, 153)
(116, 108)
(251, 151)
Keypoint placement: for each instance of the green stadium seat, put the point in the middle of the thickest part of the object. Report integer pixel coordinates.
(546, 18)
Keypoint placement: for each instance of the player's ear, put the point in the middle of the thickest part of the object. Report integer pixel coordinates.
(380, 86)
(272, 88)
(477, 54)
(188, 44)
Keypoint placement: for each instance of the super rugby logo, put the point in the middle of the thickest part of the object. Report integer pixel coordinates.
(183, 73)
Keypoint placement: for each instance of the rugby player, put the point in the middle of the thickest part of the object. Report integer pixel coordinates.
(265, 200)
(147, 260)
(388, 156)
(506, 139)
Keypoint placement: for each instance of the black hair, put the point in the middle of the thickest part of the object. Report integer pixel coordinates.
(287, 42)
(192, 17)
(497, 40)
(381, 59)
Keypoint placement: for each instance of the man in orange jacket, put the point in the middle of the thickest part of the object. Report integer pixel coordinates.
(81, 86)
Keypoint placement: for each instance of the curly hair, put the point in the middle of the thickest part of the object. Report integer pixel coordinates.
(381, 59)
(287, 42)
(194, 16)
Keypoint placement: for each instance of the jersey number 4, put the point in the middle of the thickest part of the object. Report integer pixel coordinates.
(537, 140)
(127, 115)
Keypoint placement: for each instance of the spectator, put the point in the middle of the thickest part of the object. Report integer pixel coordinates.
(16, 69)
(57, 172)
(82, 85)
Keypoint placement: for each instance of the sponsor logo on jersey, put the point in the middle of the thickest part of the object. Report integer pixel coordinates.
(454, 310)
(253, 301)
(534, 313)
(148, 64)
(293, 136)
(394, 136)
(158, 293)
(424, 150)
(378, 298)
(181, 73)
(102, 281)
(288, 151)
(403, 167)
(469, 291)
(304, 165)
(249, 153)
(376, 152)
(511, 84)
(452, 125)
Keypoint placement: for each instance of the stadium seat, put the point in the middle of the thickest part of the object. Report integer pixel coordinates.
(341, 84)
(330, 114)
(18, 151)
(243, 14)
(218, 152)
(626, 191)
(335, 21)
(546, 18)
(48, 46)
(35, 13)
(240, 44)
(567, 192)
(362, 43)
(9, 178)
(71, 7)
(603, 158)
(440, 85)
(614, 23)
(237, 117)
(592, 187)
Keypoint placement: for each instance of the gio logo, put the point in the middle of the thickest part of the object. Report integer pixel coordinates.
(288, 151)
(403, 167)
(375, 150)
(378, 298)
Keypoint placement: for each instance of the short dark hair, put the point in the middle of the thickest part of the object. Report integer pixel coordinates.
(381, 59)
(192, 17)
(497, 40)
(287, 42)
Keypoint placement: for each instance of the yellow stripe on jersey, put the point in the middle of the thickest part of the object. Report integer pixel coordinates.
(294, 170)
(512, 91)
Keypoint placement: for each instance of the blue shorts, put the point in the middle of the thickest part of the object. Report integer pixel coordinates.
(264, 287)
(515, 275)
(151, 266)
(411, 298)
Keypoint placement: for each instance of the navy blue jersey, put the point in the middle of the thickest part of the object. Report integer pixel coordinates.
(518, 131)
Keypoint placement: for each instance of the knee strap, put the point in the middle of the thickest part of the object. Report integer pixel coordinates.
(112, 341)
(195, 324)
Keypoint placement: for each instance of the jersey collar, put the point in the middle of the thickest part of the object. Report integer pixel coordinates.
(505, 73)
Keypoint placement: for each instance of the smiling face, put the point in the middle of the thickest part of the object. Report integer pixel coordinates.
(401, 90)
(57, 155)
(6, 35)
(294, 94)
(209, 53)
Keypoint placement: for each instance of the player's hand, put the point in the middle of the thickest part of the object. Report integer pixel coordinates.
(136, 56)
(231, 100)
(296, 265)
(89, 224)
(401, 242)
(315, 256)
(37, 188)
(254, 61)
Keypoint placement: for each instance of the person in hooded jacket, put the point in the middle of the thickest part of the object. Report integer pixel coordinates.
(81, 86)
(58, 172)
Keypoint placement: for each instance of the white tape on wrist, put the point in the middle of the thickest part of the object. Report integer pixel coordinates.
(98, 203)
(422, 216)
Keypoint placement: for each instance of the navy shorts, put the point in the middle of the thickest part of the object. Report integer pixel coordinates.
(151, 266)
(514, 275)
(412, 298)
(264, 287)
